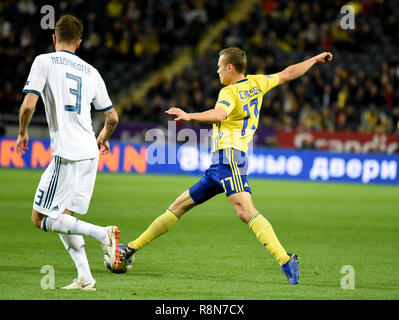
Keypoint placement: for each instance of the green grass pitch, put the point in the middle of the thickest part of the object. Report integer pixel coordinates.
(210, 253)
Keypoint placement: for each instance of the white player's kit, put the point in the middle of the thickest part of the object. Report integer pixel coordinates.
(68, 85)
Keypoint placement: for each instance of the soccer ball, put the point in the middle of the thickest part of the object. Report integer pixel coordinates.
(124, 265)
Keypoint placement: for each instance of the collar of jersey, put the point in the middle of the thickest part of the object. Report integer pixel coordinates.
(68, 52)
(241, 80)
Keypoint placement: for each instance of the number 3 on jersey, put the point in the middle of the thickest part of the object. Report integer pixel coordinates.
(76, 92)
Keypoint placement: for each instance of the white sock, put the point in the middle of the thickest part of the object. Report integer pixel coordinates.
(65, 223)
(75, 245)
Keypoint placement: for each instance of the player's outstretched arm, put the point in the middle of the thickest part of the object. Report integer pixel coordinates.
(296, 70)
(111, 120)
(209, 116)
(25, 116)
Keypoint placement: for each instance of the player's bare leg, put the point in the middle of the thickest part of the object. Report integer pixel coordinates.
(246, 211)
(182, 204)
(162, 224)
(37, 218)
(243, 205)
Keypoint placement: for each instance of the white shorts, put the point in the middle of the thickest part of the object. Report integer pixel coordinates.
(66, 184)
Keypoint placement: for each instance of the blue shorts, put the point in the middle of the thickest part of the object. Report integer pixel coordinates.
(227, 173)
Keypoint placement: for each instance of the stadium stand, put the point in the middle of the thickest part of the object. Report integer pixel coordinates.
(130, 40)
(355, 93)
(125, 40)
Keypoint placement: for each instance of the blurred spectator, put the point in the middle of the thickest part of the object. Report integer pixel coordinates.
(343, 96)
(352, 118)
(26, 7)
(132, 13)
(327, 97)
(114, 9)
(388, 95)
(5, 28)
(327, 119)
(26, 39)
(341, 121)
(369, 120)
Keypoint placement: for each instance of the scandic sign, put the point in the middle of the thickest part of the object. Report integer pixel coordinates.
(264, 163)
(340, 141)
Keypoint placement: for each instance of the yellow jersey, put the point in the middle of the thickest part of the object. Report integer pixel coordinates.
(242, 102)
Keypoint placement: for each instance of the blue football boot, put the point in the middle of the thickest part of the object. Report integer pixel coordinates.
(291, 270)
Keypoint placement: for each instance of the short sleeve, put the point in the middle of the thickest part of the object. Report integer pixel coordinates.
(268, 82)
(226, 100)
(36, 79)
(101, 100)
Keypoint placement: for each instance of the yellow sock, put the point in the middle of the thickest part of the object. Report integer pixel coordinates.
(265, 234)
(159, 226)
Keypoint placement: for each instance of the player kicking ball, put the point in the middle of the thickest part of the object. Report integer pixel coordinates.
(235, 119)
(68, 85)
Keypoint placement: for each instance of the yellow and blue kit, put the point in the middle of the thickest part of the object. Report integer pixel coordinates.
(228, 172)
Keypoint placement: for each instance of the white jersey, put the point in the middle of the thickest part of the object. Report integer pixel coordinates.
(68, 85)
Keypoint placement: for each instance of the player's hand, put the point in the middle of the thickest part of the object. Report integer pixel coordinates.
(22, 143)
(103, 146)
(324, 57)
(179, 114)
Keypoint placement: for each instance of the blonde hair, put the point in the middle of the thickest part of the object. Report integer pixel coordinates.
(236, 57)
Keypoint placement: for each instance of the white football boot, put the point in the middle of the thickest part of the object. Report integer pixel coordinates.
(110, 245)
(79, 285)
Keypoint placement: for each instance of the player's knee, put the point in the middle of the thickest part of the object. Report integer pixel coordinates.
(242, 206)
(178, 209)
(243, 216)
(182, 204)
(36, 218)
(242, 212)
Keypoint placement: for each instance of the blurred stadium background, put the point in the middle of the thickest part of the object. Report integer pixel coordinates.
(161, 53)
(155, 54)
